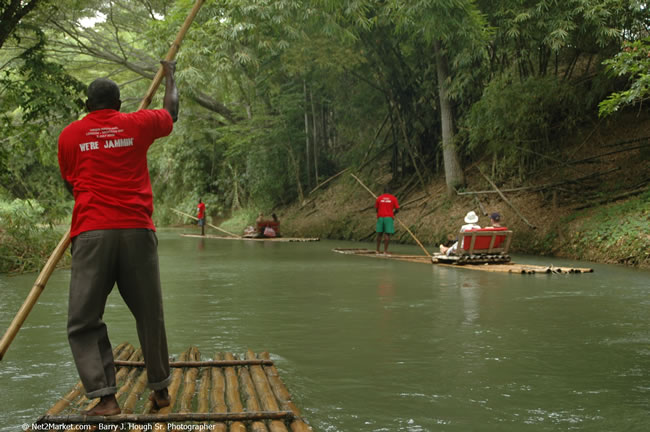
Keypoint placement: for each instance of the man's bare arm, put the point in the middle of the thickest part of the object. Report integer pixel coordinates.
(170, 102)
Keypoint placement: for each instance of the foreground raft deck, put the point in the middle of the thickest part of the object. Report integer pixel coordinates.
(501, 268)
(265, 239)
(224, 394)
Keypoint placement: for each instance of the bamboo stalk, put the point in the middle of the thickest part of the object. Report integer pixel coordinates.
(189, 385)
(202, 363)
(138, 388)
(396, 218)
(177, 378)
(130, 378)
(218, 390)
(265, 393)
(250, 398)
(203, 394)
(204, 391)
(284, 397)
(173, 417)
(213, 226)
(233, 398)
(60, 249)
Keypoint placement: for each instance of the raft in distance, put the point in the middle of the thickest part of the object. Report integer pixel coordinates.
(264, 239)
(509, 267)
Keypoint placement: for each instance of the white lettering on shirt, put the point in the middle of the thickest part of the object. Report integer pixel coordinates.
(105, 132)
(122, 142)
(92, 145)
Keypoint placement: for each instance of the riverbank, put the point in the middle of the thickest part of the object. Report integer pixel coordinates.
(591, 203)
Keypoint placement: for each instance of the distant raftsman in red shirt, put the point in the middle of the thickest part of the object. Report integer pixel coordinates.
(385, 204)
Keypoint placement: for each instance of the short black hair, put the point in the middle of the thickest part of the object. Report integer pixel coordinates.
(103, 93)
(495, 217)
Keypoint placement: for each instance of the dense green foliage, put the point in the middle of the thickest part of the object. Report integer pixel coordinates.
(632, 63)
(279, 95)
(618, 232)
(26, 239)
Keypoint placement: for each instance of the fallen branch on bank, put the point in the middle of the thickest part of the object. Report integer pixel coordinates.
(507, 201)
(611, 199)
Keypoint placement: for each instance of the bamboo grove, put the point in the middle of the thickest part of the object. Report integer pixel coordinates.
(278, 95)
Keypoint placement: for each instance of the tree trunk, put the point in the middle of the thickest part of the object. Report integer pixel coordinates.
(296, 169)
(307, 161)
(315, 140)
(454, 176)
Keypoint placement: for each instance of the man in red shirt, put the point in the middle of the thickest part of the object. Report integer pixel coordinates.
(103, 162)
(387, 206)
(201, 216)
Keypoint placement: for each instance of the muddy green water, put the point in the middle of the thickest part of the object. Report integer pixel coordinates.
(376, 345)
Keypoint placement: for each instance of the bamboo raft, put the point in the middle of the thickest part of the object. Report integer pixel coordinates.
(500, 267)
(225, 394)
(265, 239)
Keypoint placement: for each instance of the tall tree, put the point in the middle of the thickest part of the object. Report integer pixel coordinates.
(450, 27)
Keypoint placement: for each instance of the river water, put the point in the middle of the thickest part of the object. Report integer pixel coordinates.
(376, 345)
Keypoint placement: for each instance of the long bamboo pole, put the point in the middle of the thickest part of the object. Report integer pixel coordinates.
(396, 218)
(60, 249)
(213, 226)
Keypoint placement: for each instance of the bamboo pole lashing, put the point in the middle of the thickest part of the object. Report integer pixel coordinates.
(63, 244)
(209, 224)
(396, 218)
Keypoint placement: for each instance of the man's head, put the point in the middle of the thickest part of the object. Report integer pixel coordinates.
(495, 217)
(103, 94)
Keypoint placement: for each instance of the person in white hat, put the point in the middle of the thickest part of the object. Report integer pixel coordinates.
(470, 223)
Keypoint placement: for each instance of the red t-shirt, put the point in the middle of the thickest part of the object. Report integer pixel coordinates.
(104, 157)
(201, 208)
(385, 204)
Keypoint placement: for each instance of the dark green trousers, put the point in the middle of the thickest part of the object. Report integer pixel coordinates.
(101, 259)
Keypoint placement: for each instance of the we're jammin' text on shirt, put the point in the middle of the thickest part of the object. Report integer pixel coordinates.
(104, 157)
(385, 204)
